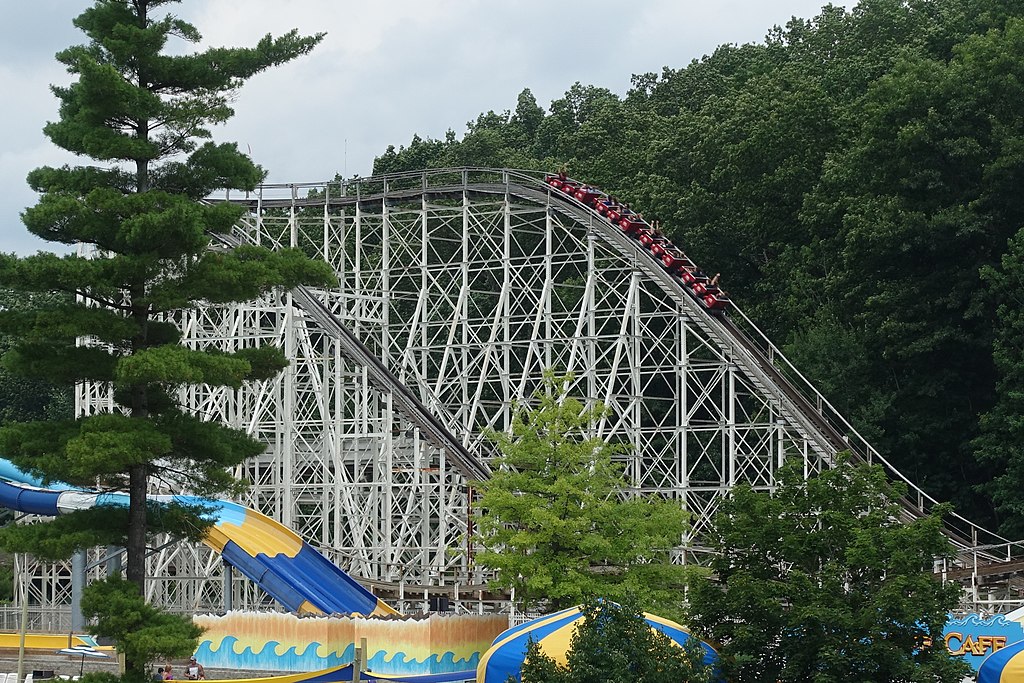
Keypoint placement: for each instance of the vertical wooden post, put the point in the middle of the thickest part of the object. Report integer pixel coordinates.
(228, 583)
(78, 562)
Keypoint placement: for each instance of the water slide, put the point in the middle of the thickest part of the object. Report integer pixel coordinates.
(266, 552)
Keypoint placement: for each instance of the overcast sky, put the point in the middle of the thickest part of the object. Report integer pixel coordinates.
(386, 70)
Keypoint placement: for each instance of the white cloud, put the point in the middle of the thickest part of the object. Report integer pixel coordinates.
(386, 70)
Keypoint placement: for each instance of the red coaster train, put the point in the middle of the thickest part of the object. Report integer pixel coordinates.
(695, 281)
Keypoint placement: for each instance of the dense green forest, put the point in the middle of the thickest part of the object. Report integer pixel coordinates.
(856, 177)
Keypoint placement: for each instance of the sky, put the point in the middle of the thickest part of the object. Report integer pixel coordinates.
(387, 69)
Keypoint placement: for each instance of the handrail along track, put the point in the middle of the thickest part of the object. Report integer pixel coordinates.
(734, 332)
(471, 466)
(817, 417)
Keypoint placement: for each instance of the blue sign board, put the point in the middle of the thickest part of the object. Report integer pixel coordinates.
(976, 638)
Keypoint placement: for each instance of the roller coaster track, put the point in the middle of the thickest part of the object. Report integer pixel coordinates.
(472, 467)
(765, 363)
(734, 333)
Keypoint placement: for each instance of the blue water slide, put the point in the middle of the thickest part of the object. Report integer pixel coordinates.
(266, 552)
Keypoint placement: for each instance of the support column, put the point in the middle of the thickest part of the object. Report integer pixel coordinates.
(228, 594)
(77, 585)
(114, 567)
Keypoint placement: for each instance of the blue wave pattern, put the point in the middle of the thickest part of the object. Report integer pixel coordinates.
(267, 659)
(996, 621)
(384, 663)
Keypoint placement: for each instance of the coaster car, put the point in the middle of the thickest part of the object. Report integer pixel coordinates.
(554, 181)
(692, 276)
(655, 241)
(617, 212)
(710, 296)
(701, 288)
(632, 225)
(674, 259)
(587, 195)
(716, 302)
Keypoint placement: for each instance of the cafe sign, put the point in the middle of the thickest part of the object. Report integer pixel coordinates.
(975, 638)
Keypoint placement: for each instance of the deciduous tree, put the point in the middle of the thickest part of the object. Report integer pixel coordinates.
(1002, 427)
(826, 581)
(559, 523)
(614, 644)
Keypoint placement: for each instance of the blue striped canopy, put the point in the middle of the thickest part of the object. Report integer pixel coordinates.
(553, 633)
(1004, 666)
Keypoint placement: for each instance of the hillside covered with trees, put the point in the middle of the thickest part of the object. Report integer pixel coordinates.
(856, 177)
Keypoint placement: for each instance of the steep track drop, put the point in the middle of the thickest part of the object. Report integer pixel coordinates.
(734, 333)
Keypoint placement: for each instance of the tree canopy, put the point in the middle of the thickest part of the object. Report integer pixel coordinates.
(24, 399)
(614, 644)
(853, 177)
(826, 581)
(141, 108)
(558, 521)
(142, 632)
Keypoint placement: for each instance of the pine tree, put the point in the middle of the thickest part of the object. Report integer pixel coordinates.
(143, 115)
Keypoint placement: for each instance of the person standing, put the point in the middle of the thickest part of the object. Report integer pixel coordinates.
(194, 671)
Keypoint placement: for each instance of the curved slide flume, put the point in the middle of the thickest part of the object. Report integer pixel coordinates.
(265, 551)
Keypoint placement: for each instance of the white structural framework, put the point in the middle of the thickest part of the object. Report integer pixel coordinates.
(458, 289)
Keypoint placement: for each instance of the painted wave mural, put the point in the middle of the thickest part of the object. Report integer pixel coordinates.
(975, 637)
(434, 643)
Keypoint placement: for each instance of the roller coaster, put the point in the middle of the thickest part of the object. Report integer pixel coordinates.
(458, 289)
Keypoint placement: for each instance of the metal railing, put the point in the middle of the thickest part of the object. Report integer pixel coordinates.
(528, 183)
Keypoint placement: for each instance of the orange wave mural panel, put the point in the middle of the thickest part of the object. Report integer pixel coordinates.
(272, 641)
